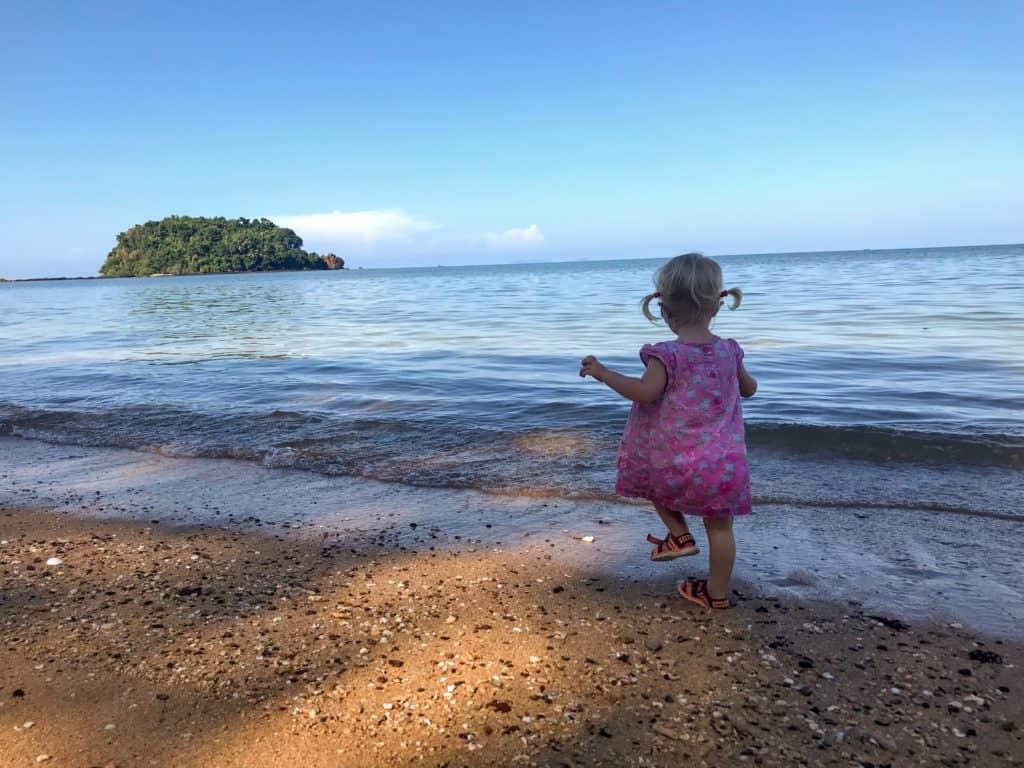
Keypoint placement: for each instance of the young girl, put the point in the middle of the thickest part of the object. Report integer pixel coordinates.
(683, 448)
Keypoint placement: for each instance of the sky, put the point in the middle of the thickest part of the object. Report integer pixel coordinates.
(412, 133)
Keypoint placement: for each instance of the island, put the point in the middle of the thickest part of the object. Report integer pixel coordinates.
(193, 245)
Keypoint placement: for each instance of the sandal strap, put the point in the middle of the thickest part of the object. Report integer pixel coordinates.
(686, 540)
(698, 589)
(671, 543)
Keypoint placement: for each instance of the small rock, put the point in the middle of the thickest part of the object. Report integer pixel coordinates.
(667, 732)
(896, 624)
(42, 758)
(886, 743)
(652, 644)
(806, 663)
(51, 561)
(985, 657)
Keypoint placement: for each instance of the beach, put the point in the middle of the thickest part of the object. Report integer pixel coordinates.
(181, 631)
(293, 521)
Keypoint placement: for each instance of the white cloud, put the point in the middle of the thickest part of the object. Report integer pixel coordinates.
(356, 226)
(510, 239)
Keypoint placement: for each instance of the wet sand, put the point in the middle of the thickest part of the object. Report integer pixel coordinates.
(916, 564)
(154, 645)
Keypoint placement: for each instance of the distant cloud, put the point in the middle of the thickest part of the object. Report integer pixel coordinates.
(356, 226)
(510, 239)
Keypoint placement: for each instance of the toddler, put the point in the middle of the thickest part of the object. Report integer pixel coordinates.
(683, 448)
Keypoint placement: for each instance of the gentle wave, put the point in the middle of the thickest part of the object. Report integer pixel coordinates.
(557, 463)
(255, 433)
(885, 445)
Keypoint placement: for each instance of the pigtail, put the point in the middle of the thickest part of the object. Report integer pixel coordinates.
(737, 297)
(645, 306)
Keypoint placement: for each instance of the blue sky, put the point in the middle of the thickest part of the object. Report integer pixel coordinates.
(444, 132)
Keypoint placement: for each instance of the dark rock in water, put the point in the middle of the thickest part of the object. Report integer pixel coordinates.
(896, 624)
(333, 262)
(985, 657)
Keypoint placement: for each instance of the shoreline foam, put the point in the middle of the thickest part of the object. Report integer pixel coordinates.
(912, 564)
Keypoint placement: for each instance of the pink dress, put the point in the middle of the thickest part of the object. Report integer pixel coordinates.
(686, 450)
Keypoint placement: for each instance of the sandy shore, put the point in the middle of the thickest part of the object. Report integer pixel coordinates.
(150, 645)
(918, 565)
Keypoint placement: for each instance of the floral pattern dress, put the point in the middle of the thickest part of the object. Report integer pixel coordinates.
(686, 450)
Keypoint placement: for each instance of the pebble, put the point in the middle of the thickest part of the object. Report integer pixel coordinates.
(886, 743)
(52, 561)
(436, 697)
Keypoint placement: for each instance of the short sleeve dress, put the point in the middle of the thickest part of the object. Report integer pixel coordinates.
(686, 450)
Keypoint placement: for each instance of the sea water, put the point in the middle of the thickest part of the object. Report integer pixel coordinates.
(888, 379)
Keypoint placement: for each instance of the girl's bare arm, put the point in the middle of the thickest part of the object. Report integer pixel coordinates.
(646, 389)
(748, 384)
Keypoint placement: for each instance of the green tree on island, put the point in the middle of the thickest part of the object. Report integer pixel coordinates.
(181, 245)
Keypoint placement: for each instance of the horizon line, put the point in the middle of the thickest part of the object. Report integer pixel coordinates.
(555, 261)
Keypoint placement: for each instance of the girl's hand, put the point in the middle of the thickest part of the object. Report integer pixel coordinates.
(591, 366)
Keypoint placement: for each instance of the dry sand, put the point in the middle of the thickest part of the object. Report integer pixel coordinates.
(158, 646)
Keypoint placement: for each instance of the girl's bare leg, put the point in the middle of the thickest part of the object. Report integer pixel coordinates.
(673, 520)
(722, 544)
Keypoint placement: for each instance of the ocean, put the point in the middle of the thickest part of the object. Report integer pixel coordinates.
(889, 380)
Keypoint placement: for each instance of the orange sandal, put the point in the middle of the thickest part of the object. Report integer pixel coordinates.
(672, 547)
(696, 591)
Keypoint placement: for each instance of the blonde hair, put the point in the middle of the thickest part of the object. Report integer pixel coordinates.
(690, 289)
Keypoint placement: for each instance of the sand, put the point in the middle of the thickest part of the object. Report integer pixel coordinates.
(155, 645)
(916, 564)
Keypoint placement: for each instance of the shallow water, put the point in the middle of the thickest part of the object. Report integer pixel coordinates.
(892, 379)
